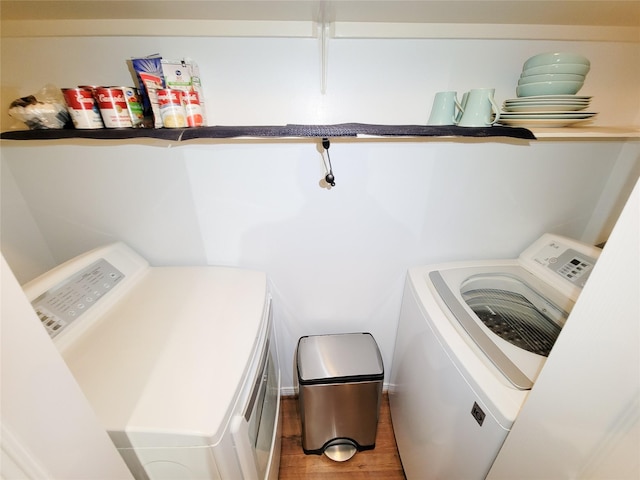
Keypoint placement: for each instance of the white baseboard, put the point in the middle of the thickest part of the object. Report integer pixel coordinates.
(287, 391)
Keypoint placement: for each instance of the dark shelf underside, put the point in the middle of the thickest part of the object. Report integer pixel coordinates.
(312, 131)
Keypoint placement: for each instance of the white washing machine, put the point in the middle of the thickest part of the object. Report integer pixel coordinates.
(472, 339)
(179, 363)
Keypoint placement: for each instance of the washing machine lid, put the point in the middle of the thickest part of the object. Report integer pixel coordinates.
(514, 311)
(512, 290)
(478, 334)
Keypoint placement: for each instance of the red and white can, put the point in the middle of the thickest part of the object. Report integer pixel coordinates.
(83, 108)
(113, 107)
(192, 109)
(171, 108)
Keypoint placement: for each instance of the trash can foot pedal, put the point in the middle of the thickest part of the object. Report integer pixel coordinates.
(340, 450)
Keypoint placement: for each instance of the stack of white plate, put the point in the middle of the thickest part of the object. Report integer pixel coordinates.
(546, 111)
(547, 92)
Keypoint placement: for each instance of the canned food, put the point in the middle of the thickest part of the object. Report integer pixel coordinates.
(83, 108)
(192, 109)
(134, 106)
(171, 109)
(113, 107)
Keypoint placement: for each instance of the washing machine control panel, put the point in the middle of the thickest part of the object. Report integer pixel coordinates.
(561, 260)
(569, 264)
(59, 306)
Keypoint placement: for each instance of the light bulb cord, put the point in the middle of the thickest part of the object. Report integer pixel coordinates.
(329, 178)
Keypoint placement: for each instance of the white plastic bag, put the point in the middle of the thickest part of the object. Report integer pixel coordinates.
(45, 109)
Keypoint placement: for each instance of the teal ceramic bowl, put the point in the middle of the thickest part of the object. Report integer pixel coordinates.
(555, 58)
(550, 77)
(548, 88)
(565, 68)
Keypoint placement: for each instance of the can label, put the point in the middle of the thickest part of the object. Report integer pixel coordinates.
(83, 108)
(171, 109)
(134, 105)
(113, 107)
(192, 109)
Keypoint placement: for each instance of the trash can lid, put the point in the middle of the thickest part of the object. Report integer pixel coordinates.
(340, 356)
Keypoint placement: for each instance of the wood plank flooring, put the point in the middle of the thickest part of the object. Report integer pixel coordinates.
(383, 462)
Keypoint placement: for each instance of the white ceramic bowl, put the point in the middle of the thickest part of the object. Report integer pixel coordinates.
(554, 58)
(572, 68)
(548, 88)
(550, 77)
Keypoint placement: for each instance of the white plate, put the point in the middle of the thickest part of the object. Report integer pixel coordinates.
(537, 98)
(543, 108)
(561, 122)
(545, 102)
(549, 102)
(548, 115)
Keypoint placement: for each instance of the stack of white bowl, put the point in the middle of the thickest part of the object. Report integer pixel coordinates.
(553, 74)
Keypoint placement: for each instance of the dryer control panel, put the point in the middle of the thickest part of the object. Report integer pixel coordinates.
(71, 297)
(560, 258)
(63, 304)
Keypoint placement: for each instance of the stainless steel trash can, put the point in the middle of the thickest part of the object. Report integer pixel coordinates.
(340, 389)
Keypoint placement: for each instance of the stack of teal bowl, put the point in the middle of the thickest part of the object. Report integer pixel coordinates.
(547, 93)
(553, 74)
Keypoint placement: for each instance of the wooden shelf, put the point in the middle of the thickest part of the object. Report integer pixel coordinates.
(283, 131)
(587, 133)
(344, 130)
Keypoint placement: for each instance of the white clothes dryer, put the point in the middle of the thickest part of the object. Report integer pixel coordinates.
(179, 363)
(472, 339)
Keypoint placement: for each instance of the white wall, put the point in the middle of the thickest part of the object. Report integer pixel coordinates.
(337, 258)
(22, 241)
(277, 80)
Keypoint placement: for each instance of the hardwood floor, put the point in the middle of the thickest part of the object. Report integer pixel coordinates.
(383, 462)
